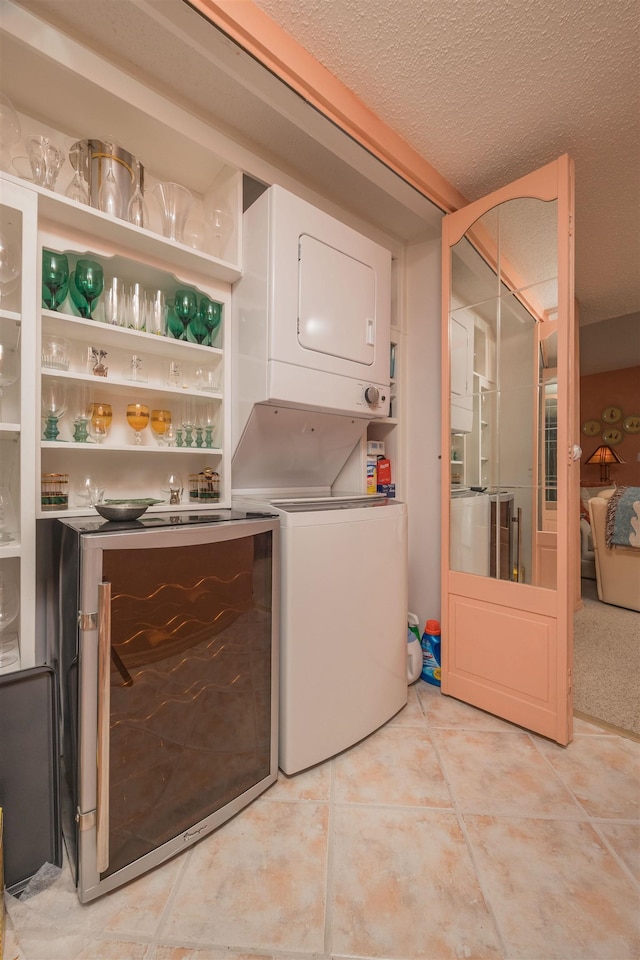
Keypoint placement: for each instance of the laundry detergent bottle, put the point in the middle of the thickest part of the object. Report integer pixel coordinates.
(431, 653)
(414, 649)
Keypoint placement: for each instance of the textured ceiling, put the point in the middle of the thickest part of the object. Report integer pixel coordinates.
(488, 91)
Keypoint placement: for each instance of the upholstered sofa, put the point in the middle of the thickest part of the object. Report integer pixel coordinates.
(587, 553)
(617, 568)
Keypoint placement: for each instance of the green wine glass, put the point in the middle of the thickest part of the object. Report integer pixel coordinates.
(186, 308)
(197, 331)
(89, 283)
(210, 312)
(175, 326)
(55, 278)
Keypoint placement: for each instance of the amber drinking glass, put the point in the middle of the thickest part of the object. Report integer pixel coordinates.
(160, 422)
(137, 418)
(100, 417)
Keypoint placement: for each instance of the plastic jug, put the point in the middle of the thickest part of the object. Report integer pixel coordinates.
(431, 653)
(414, 649)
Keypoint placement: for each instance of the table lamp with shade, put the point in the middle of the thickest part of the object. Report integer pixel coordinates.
(605, 456)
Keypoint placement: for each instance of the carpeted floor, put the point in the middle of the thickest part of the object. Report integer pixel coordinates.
(606, 647)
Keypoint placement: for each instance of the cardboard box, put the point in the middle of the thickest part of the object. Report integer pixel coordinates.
(384, 471)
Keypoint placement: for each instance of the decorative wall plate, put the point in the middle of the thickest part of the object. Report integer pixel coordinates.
(611, 414)
(631, 424)
(612, 436)
(591, 428)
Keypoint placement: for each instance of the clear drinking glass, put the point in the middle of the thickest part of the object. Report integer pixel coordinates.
(9, 610)
(219, 224)
(157, 313)
(8, 524)
(175, 202)
(173, 486)
(9, 368)
(78, 188)
(10, 265)
(137, 212)
(116, 301)
(137, 307)
(46, 159)
(110, 195)
(89, 490)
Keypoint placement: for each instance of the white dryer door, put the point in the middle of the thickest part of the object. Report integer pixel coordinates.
(336, 302)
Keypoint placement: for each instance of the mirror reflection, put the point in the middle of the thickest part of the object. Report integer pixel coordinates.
(503, 360)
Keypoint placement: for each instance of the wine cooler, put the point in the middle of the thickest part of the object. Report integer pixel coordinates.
(167, 658)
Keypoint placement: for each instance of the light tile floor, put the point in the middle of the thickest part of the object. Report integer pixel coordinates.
(446, 834)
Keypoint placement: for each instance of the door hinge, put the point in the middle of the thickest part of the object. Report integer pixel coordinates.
(86, 821)
(87, 621)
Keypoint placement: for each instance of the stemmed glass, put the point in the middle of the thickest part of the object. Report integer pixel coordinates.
(209, 419)
(54, 405)
(137, 209)
(7, 515)
(197, 330)
(100, 417)
(219, 224)
(9, 368)
(9, 610)
(46, 159)
(11, 130)
(87, 282)
(137, 418)
(89, 489)
(175, 326)
(110, 194)
(210, 312)
(80, 413)
(186, 308)
(160, 423)
(78, 188)
(55, 278)
(188, 420)
(173, 485)
(10, 265)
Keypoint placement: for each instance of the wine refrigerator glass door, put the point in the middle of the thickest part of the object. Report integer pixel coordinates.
(181, 651)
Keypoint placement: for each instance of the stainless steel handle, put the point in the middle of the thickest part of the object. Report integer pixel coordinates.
(104, 712)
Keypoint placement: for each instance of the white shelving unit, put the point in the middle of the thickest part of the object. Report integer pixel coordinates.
(17, 448)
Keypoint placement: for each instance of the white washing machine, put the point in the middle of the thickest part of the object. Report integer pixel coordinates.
(470, 531)
(343, 640)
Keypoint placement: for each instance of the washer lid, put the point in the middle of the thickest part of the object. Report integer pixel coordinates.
(284, 448)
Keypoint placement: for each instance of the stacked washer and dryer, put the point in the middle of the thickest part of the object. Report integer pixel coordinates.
(311, 369)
